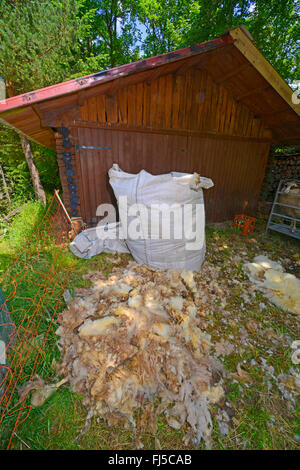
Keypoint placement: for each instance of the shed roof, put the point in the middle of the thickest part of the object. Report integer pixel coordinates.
(231, 59)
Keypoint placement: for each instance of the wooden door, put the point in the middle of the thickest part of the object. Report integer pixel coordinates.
(98, 149)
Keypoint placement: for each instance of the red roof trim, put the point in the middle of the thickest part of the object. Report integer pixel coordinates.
(88, 81)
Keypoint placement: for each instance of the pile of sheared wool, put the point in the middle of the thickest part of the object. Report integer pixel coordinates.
(283, 289)
(133, 341)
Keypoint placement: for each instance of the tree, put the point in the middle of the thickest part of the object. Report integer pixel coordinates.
(15, 169)
(165, 23)
(38, 41)
(275, 26)
(45, 42)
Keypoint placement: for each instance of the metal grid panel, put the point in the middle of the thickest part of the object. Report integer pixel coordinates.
(281, 227)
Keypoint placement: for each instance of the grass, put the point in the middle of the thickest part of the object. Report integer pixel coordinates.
(262, 418)
(42, 272)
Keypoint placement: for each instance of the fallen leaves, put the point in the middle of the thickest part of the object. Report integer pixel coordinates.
(41, 390)
(270, 334)
(252, 327)
(290, 382)
(223, 348)
(242, 375)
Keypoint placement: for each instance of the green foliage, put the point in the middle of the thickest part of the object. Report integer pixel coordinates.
(47, 166)
(110, 33)
(19, 181)
(42, 43)
(46, 42)
(275, 27)
(287, 150)
(36, 42)
(15, 170)
(273, 24)
(17, 173)
(166, 23)
(38, 46)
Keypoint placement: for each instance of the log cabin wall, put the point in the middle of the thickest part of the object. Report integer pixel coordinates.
(175, 122)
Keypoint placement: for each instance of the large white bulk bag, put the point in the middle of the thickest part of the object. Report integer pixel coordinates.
(182, 194)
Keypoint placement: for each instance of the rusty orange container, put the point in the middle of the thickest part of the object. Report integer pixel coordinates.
(244, 223)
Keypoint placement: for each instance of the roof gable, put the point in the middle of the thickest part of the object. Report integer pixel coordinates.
(232, 60)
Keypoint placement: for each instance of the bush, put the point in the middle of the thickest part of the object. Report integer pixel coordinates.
(24, 224)
(17, 173)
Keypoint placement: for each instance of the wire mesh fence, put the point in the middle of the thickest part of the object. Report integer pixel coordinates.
(32, 295)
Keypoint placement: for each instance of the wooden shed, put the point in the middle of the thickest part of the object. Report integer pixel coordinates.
(213, 108)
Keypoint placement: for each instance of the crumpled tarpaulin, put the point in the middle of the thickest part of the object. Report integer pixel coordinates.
(134, 341)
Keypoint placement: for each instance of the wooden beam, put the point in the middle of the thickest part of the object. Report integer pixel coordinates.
(115, 85)
(288, 139)
(275, 113)
(209, 60)
(50, 143)
(287, 125)
(244, 44)
(181, 70)
(80, 98)
(37, 110)
(253, 91)
(155, 74)
(65, 115)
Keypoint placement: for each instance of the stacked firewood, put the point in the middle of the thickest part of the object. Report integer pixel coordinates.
(282, 167)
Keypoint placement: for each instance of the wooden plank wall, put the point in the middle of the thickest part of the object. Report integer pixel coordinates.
(236, 167)
(176, 122)
(191, 101)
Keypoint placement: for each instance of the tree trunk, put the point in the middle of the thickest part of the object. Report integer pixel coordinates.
(35, 177)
